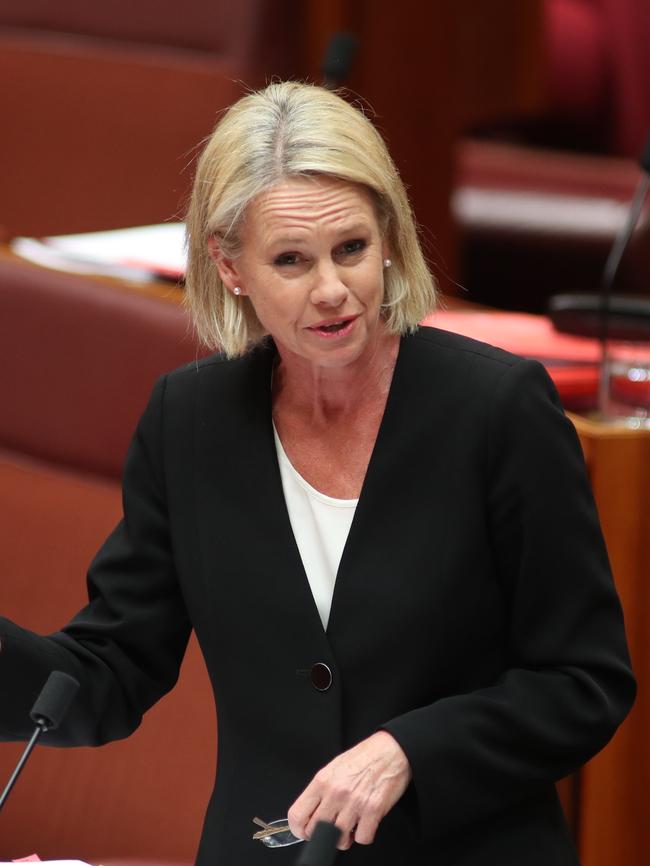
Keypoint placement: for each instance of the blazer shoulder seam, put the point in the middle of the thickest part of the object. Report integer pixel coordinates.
(467, 345)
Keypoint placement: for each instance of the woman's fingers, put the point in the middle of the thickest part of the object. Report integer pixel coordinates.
(354, 791)
(302, 810)
(366, 830)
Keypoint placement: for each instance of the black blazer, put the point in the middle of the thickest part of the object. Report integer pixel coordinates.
(473, 617)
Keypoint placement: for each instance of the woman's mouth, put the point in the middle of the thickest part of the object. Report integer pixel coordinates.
(335, 328)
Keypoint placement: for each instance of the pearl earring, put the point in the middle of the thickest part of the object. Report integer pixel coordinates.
(387, 263)
(236, 291)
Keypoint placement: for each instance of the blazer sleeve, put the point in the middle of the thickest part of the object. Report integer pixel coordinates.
(125, 647)
(568, 683)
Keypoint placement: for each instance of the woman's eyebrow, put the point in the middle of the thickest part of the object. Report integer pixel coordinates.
(286, 240)
(354, 228)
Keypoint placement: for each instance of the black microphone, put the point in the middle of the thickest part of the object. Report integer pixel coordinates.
(580, 315)
(321, 848)
(340, 53)
(47, 713)
(54, 700)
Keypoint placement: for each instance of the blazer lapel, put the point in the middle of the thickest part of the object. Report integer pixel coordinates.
(244, 522)
(398, 478)
(362, 532)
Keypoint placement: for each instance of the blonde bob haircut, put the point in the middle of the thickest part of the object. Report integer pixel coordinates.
(293, 130)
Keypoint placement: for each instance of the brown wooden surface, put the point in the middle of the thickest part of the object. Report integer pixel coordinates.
(614, 815)
(499, 60)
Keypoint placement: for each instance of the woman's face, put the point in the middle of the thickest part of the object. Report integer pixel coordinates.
(311, 263)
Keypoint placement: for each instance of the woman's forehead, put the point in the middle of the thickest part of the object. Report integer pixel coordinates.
(303, 202)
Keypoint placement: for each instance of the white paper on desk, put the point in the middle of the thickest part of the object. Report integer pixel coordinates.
(131, 253)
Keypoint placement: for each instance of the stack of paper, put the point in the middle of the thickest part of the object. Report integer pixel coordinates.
(141, 253)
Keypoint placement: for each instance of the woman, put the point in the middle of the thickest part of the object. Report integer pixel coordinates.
(383, 536)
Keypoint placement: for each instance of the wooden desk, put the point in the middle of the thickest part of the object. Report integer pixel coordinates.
(613, 817)
(162, 290)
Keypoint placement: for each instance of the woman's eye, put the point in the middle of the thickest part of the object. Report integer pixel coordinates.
(286, 259)
(351, 247)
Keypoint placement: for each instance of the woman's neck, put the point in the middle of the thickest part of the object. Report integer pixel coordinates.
(322, 395)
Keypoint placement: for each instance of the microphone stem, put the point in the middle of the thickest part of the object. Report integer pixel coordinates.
(37, 732)
(623, 237)
(609, 277)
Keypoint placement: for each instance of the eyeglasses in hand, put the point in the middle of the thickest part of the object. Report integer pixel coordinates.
(275, 834)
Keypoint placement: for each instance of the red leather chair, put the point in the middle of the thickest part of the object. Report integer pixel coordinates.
(79, 358)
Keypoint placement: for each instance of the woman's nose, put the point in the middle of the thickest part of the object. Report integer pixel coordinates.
(328, 287)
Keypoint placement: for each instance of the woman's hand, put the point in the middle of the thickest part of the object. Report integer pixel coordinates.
(354, 791)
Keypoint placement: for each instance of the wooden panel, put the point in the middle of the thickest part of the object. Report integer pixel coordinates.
(499, 60)
(405, 71)
(614, 822)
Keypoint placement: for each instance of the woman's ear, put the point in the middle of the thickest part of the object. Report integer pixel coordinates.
(227, 268)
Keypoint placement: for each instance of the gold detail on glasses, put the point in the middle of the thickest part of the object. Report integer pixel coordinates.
(267, 830)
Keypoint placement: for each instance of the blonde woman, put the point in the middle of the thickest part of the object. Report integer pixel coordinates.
(382, 535)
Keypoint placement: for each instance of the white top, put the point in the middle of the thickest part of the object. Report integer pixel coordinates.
(320, 525)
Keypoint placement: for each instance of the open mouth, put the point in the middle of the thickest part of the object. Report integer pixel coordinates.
(334, 327)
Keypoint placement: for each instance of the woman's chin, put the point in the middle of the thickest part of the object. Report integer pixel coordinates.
(333, 352)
